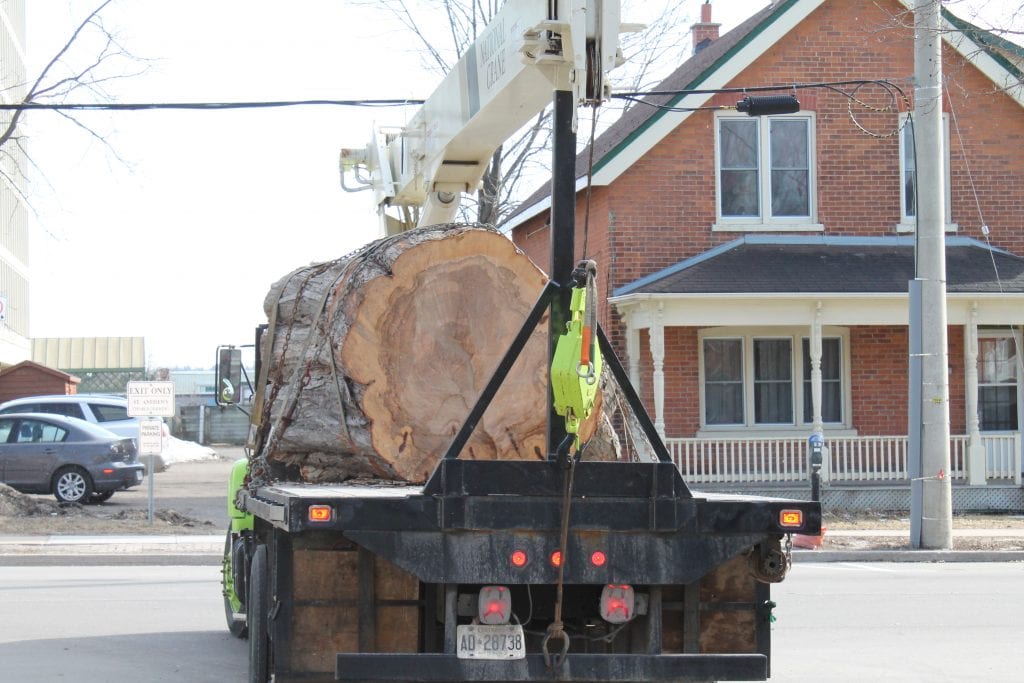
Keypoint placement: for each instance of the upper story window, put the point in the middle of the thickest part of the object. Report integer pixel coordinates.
(908, 176)
(766, 172)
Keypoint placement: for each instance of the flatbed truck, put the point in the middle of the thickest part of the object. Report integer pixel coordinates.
(552, 570)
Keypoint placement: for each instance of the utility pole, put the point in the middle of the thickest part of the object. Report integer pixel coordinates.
(934, 513)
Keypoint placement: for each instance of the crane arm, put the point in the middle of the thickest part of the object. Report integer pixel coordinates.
(506, 77)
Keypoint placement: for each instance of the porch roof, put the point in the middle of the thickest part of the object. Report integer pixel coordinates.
(761, 264)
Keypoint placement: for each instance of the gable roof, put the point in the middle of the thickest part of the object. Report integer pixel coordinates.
(642, 126)
(773, 264)
(32, 366)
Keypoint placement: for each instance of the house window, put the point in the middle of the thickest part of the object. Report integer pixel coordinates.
(765, 172)
(908, 176)
(997, 383)
(750, 380)
(723, 381)
(773, 381)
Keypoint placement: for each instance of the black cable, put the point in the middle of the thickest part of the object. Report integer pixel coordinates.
(202, 106)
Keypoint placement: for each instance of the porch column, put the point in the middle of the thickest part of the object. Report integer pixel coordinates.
(815, 343)
(975, 451)
(658, 357)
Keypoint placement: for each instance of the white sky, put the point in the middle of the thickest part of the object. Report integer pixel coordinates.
(181, 243)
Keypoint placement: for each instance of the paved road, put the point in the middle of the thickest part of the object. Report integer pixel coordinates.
(899, 622)
(115, 624)
(836, 622)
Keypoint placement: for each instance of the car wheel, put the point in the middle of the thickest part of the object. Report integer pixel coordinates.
(233, 608)
(97, 498)
(258, 606)
(72, 485)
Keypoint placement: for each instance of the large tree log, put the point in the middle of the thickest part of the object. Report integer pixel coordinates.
(377, 357)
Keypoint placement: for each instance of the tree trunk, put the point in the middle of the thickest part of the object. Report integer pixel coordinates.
(378, 357)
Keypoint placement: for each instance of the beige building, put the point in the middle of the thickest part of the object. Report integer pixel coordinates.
(14, 238)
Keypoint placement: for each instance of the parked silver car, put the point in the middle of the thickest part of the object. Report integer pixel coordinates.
(109, 412)
(74, 460)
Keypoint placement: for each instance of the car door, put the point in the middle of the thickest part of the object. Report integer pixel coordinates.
(31, 453)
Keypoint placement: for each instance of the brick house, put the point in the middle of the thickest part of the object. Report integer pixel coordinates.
(737, 253)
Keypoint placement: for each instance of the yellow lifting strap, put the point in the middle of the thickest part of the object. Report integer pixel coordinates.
(576, 367)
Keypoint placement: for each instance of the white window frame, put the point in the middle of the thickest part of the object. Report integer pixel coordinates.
(766, 222)
(909, 223)
(1001, 334)
(796, 335)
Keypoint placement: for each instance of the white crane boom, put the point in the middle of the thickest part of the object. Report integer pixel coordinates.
(506, 77)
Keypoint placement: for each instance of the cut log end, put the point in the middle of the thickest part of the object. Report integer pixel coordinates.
(380, 357)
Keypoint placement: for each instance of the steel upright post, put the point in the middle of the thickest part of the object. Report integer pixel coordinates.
(563, 238)
(936, 509)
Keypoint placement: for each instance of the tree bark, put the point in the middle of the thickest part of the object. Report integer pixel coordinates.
(377, 358)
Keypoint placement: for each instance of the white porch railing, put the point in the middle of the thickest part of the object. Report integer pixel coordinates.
(873, 459)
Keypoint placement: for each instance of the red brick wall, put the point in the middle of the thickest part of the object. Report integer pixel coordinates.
(878, 372)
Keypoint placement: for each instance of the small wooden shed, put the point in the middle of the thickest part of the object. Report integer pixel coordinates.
(29, 378)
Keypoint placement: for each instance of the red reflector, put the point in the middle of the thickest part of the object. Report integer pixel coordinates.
(108, 471)
(598, 558)
(556, 558)
(320, 513)
(519, 558)
(791, 518)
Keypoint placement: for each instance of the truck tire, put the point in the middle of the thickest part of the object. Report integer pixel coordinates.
(258, 611)
(232, 601)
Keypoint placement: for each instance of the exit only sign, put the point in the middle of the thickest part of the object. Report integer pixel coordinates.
(151, 399)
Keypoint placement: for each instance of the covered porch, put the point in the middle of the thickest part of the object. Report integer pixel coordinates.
(743, 352)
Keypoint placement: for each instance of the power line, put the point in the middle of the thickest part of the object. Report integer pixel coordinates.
(201, 106)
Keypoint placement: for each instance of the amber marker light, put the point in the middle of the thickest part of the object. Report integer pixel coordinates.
(791, 519)
(320, 513)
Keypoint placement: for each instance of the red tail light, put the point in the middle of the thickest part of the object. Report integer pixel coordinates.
(598, 558)
(556, 558)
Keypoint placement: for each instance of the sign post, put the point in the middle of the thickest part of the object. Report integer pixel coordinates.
(151, 399)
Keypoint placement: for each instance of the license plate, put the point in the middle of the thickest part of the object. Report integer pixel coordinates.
(479, 641)
(138, 476)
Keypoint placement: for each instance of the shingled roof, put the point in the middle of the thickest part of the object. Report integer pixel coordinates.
(766, 264)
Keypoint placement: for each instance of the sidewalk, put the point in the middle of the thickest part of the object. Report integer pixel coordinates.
(210, 547)
(164, 545)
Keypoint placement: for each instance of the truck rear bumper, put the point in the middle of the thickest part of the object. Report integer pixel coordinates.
(613, 668)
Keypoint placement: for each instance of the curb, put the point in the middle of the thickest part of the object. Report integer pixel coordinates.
(809, 556)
